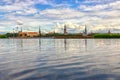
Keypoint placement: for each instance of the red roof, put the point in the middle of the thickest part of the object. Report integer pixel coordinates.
(28, 32)
(32, 32)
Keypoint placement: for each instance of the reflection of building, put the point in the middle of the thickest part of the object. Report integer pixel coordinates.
(65, 43)
(28, 34)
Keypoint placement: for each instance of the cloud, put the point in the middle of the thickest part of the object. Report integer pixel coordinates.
(111, 5)
(21, 6)
(28, 1)
(19, 22)
(43, 2)
(1, 27)
(70, 27)
(92, 8)
(65, 13)
(15, 11)
(4, 29)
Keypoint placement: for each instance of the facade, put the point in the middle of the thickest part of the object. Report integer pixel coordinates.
(28, 34)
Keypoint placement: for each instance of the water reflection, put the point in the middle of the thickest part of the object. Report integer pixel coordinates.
(65, 42)
(85, 44)
(65, 59)
(21, 42)
(39, 43)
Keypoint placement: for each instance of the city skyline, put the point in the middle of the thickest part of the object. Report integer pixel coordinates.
(98, 15)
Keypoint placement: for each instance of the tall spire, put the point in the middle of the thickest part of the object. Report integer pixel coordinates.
(85, 30)
(109, 31)
(39, 31)
(21, 29)
(65, 30)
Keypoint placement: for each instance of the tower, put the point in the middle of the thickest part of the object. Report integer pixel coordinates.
(85, 30)
(21, 29)
(109, 31)
(39, 31)
(65, 30)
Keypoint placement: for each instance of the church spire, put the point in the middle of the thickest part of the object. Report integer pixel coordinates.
(85, 30)
(39, 31)
(65, 30)
(21, 29)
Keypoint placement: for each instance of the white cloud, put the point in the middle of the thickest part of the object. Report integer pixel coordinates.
(97, 1)
(70, 26)
(73, 18)
(42, 1)
(1, 27)
(112, 5)
(8, 1)
(65, 13)
(31, 11)
(19, 22)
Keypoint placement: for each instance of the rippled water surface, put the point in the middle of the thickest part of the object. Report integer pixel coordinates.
(59, 59)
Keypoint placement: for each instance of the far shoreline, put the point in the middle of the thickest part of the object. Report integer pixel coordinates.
(68, 36)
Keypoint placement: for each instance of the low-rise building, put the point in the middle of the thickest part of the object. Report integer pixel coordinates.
(28, 34)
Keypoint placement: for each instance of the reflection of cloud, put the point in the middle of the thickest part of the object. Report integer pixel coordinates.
(30, 60)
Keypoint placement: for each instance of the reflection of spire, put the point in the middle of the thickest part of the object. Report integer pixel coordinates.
(13, 32)
(65, 30)
(40, 43)
(21, 43)
(85, 44)
(65, 43)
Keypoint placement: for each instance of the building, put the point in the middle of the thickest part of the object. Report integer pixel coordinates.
(65, 30)
(85, 31)
(109, 32)
(28, 34)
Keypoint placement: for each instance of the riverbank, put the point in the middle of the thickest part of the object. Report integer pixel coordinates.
(3, 36)
(73, 37)
(69, 36)
(106, 35)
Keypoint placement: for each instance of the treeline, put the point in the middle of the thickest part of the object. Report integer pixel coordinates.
(3, 36)
(60, 34)
(95, 35)
(106, 35)
(7, 35)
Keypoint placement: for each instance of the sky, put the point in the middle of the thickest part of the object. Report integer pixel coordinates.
(50, 15)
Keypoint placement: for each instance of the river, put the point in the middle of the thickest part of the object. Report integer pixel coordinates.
(59, 59)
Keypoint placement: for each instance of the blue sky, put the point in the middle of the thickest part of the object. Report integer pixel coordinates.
(98, 15)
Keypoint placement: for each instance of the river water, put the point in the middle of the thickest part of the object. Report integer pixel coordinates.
(59, 59)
